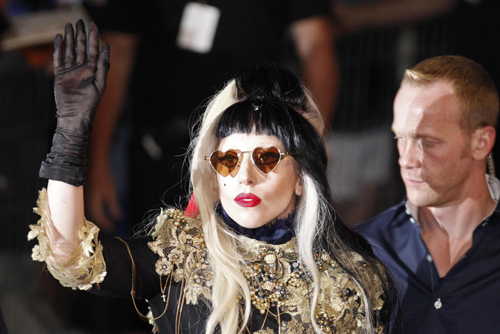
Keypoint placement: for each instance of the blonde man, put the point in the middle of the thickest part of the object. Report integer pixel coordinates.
(441, 242)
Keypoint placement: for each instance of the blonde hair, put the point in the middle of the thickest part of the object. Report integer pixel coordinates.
(474, 89)
(313, 214)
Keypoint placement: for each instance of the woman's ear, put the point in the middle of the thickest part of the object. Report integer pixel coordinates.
(299, 188)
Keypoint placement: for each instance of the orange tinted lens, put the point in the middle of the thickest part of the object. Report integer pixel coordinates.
(266, 160)
(224, 162)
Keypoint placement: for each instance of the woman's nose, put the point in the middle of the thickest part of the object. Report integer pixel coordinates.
(246, 174)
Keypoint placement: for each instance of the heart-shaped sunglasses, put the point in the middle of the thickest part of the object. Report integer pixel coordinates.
(228, 162)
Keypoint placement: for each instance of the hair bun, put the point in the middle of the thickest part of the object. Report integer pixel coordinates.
(257, 102)
(270, 83)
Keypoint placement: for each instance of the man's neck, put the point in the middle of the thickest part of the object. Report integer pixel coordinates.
(447, 231)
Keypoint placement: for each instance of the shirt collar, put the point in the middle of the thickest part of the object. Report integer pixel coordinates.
(494, 188)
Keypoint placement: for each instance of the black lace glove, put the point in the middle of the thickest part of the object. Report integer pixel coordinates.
(80, 80)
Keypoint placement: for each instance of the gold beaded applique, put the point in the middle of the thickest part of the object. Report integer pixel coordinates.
(180, 245)
(273, 273)
(277, 280)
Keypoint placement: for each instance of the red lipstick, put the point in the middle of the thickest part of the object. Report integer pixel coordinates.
(247, 200)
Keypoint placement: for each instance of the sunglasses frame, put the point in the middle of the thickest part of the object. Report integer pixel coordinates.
(282, 155)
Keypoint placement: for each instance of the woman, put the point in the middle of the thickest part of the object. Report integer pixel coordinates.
(265, 254)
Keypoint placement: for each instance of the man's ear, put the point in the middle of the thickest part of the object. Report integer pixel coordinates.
(483, 140)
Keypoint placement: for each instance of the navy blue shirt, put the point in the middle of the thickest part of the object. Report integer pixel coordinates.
(466, 300)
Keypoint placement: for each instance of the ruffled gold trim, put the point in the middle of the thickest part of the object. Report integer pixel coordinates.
(85, 266)
(151, 320)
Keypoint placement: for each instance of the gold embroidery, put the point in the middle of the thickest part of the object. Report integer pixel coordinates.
(179, 243)
(86, 265)
(296, 327)
(264, 331)
(277, 280)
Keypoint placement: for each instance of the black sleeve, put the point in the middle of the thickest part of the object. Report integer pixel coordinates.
(118, 280)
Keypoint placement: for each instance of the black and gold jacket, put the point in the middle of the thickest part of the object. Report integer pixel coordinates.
(171, 270)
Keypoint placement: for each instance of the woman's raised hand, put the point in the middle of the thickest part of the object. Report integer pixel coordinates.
(80, 77)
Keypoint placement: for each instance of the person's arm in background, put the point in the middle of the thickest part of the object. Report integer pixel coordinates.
(314, 41)
(102, 203)
(386, 13)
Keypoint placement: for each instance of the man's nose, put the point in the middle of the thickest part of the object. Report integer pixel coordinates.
(410, 155)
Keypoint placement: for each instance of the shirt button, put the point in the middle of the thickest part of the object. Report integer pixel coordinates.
(438, 304)
(429, 257)
(412, 220)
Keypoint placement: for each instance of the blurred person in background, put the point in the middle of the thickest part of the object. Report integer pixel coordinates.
(24, 137)
(26, 123)
(360, 145)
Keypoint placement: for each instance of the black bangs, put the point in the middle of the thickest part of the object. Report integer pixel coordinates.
(261, 117)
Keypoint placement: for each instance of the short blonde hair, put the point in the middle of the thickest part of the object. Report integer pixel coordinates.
(474, 89)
